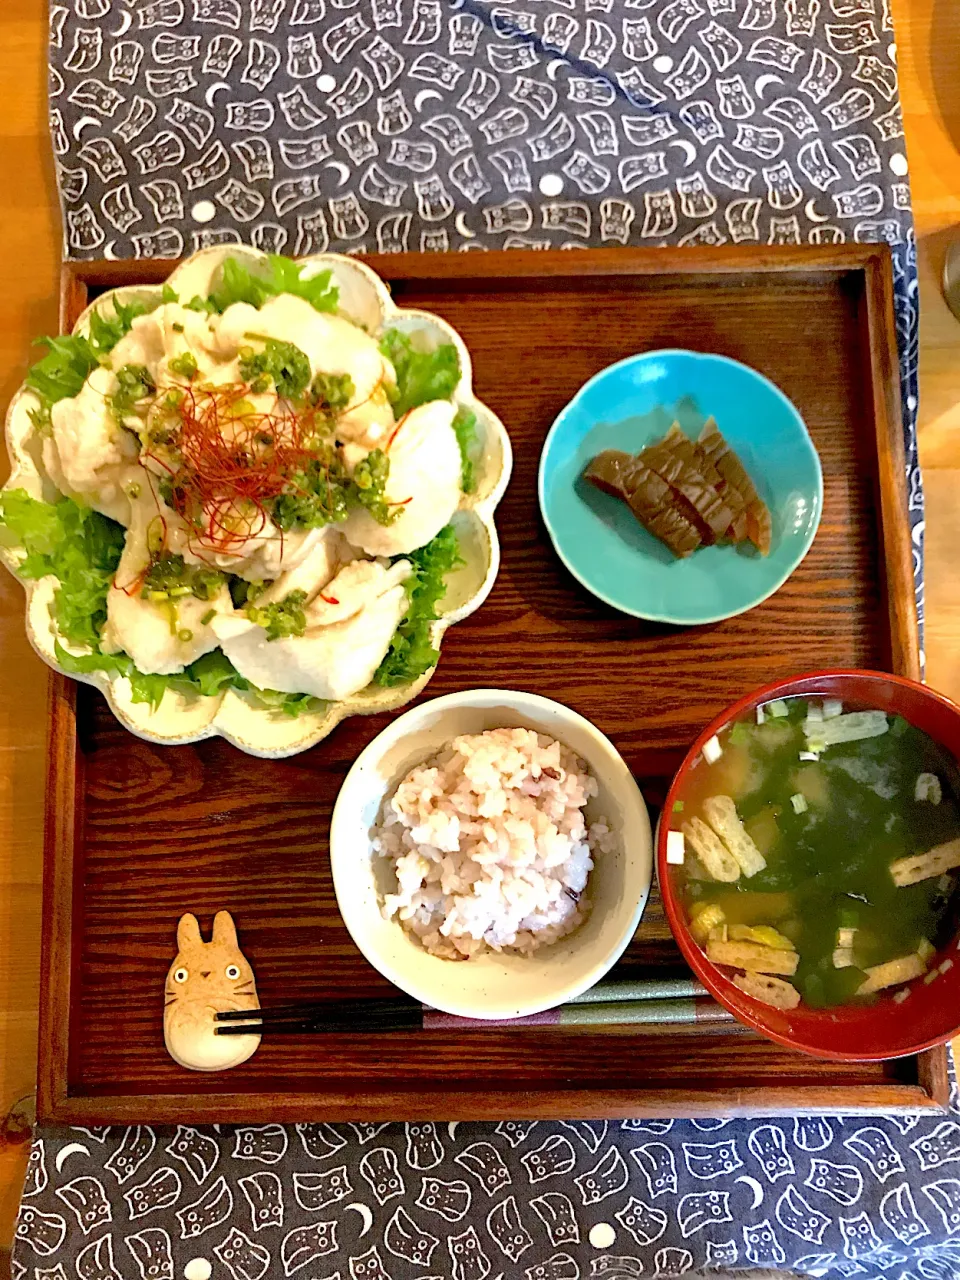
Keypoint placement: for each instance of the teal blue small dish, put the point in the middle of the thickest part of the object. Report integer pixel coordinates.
(628, 405)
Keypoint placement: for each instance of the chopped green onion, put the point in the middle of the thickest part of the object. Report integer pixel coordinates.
(799, 803)
(208, 617)
(678, 806)
(185, 634)
(778, 709)
(740, 734)
(185, 365)
(281, 618)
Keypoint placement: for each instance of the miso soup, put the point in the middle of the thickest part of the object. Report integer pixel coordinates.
(820, 852)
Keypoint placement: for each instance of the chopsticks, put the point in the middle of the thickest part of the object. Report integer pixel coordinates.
(653, 1003)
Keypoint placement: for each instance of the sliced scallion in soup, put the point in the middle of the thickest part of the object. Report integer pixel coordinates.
(821, 850)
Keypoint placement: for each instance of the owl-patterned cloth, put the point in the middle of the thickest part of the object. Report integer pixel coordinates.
(432, 125)
(831, 1196)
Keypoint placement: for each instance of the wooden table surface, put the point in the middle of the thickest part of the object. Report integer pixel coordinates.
(928, 34)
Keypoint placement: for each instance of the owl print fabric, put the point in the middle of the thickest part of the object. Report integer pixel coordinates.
(432, 125)
(519, 1200)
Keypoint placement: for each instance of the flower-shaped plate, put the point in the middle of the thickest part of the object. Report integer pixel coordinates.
(238, 717)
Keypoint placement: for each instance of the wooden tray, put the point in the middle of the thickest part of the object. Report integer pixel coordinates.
(138, 834)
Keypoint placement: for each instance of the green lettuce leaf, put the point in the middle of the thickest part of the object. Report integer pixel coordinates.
(82, 548)
(71, 358)
(79, 546)
(63, 370)
(291, 704)
(144, 688)
(214, 672)
(411, 653)
(238, 283)
(421, 375)
(465, 428)
(106, 330)
(83, 663)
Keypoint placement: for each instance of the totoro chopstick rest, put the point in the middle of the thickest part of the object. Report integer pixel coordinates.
(207, 978)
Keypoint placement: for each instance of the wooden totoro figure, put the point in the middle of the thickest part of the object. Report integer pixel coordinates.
(207, 978)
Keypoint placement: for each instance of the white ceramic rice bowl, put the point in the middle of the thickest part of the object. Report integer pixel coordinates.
(492, 984)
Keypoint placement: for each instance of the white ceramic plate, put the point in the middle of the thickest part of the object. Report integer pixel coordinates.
(491, 985)
(253, 728)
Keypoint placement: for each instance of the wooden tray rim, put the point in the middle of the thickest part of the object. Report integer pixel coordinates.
(61, 941)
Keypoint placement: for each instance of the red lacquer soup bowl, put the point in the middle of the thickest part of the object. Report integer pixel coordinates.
(864, 1032)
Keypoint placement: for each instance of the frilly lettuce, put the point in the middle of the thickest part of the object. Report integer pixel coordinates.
(421, 375)
(411, 653)
(237, 283)
(78, 546)
(71, 358)
(82, 549)
(465, 429)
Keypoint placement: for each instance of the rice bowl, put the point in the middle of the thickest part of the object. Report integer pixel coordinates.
(509, 982)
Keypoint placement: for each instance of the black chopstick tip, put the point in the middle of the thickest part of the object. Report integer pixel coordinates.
(237, 1015)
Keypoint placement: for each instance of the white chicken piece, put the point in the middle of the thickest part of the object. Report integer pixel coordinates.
(159, 640)
(143, 344)
(310, 573)
(287, 551)
(332, 345)
(337, 655)
(348, 592)
(266, 554)
(88, 455)
(169, 331)
(425, 466)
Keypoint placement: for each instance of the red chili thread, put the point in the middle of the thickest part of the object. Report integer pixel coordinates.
(396, 429)
(234, 461)
(233, 464)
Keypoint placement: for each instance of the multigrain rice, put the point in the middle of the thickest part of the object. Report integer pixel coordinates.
(490, 845)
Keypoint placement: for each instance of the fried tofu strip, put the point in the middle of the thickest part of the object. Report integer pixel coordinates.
(924, 866)
(712, 852)
(753, 956)
(891, 974)
(772, 991)
(722, 815)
